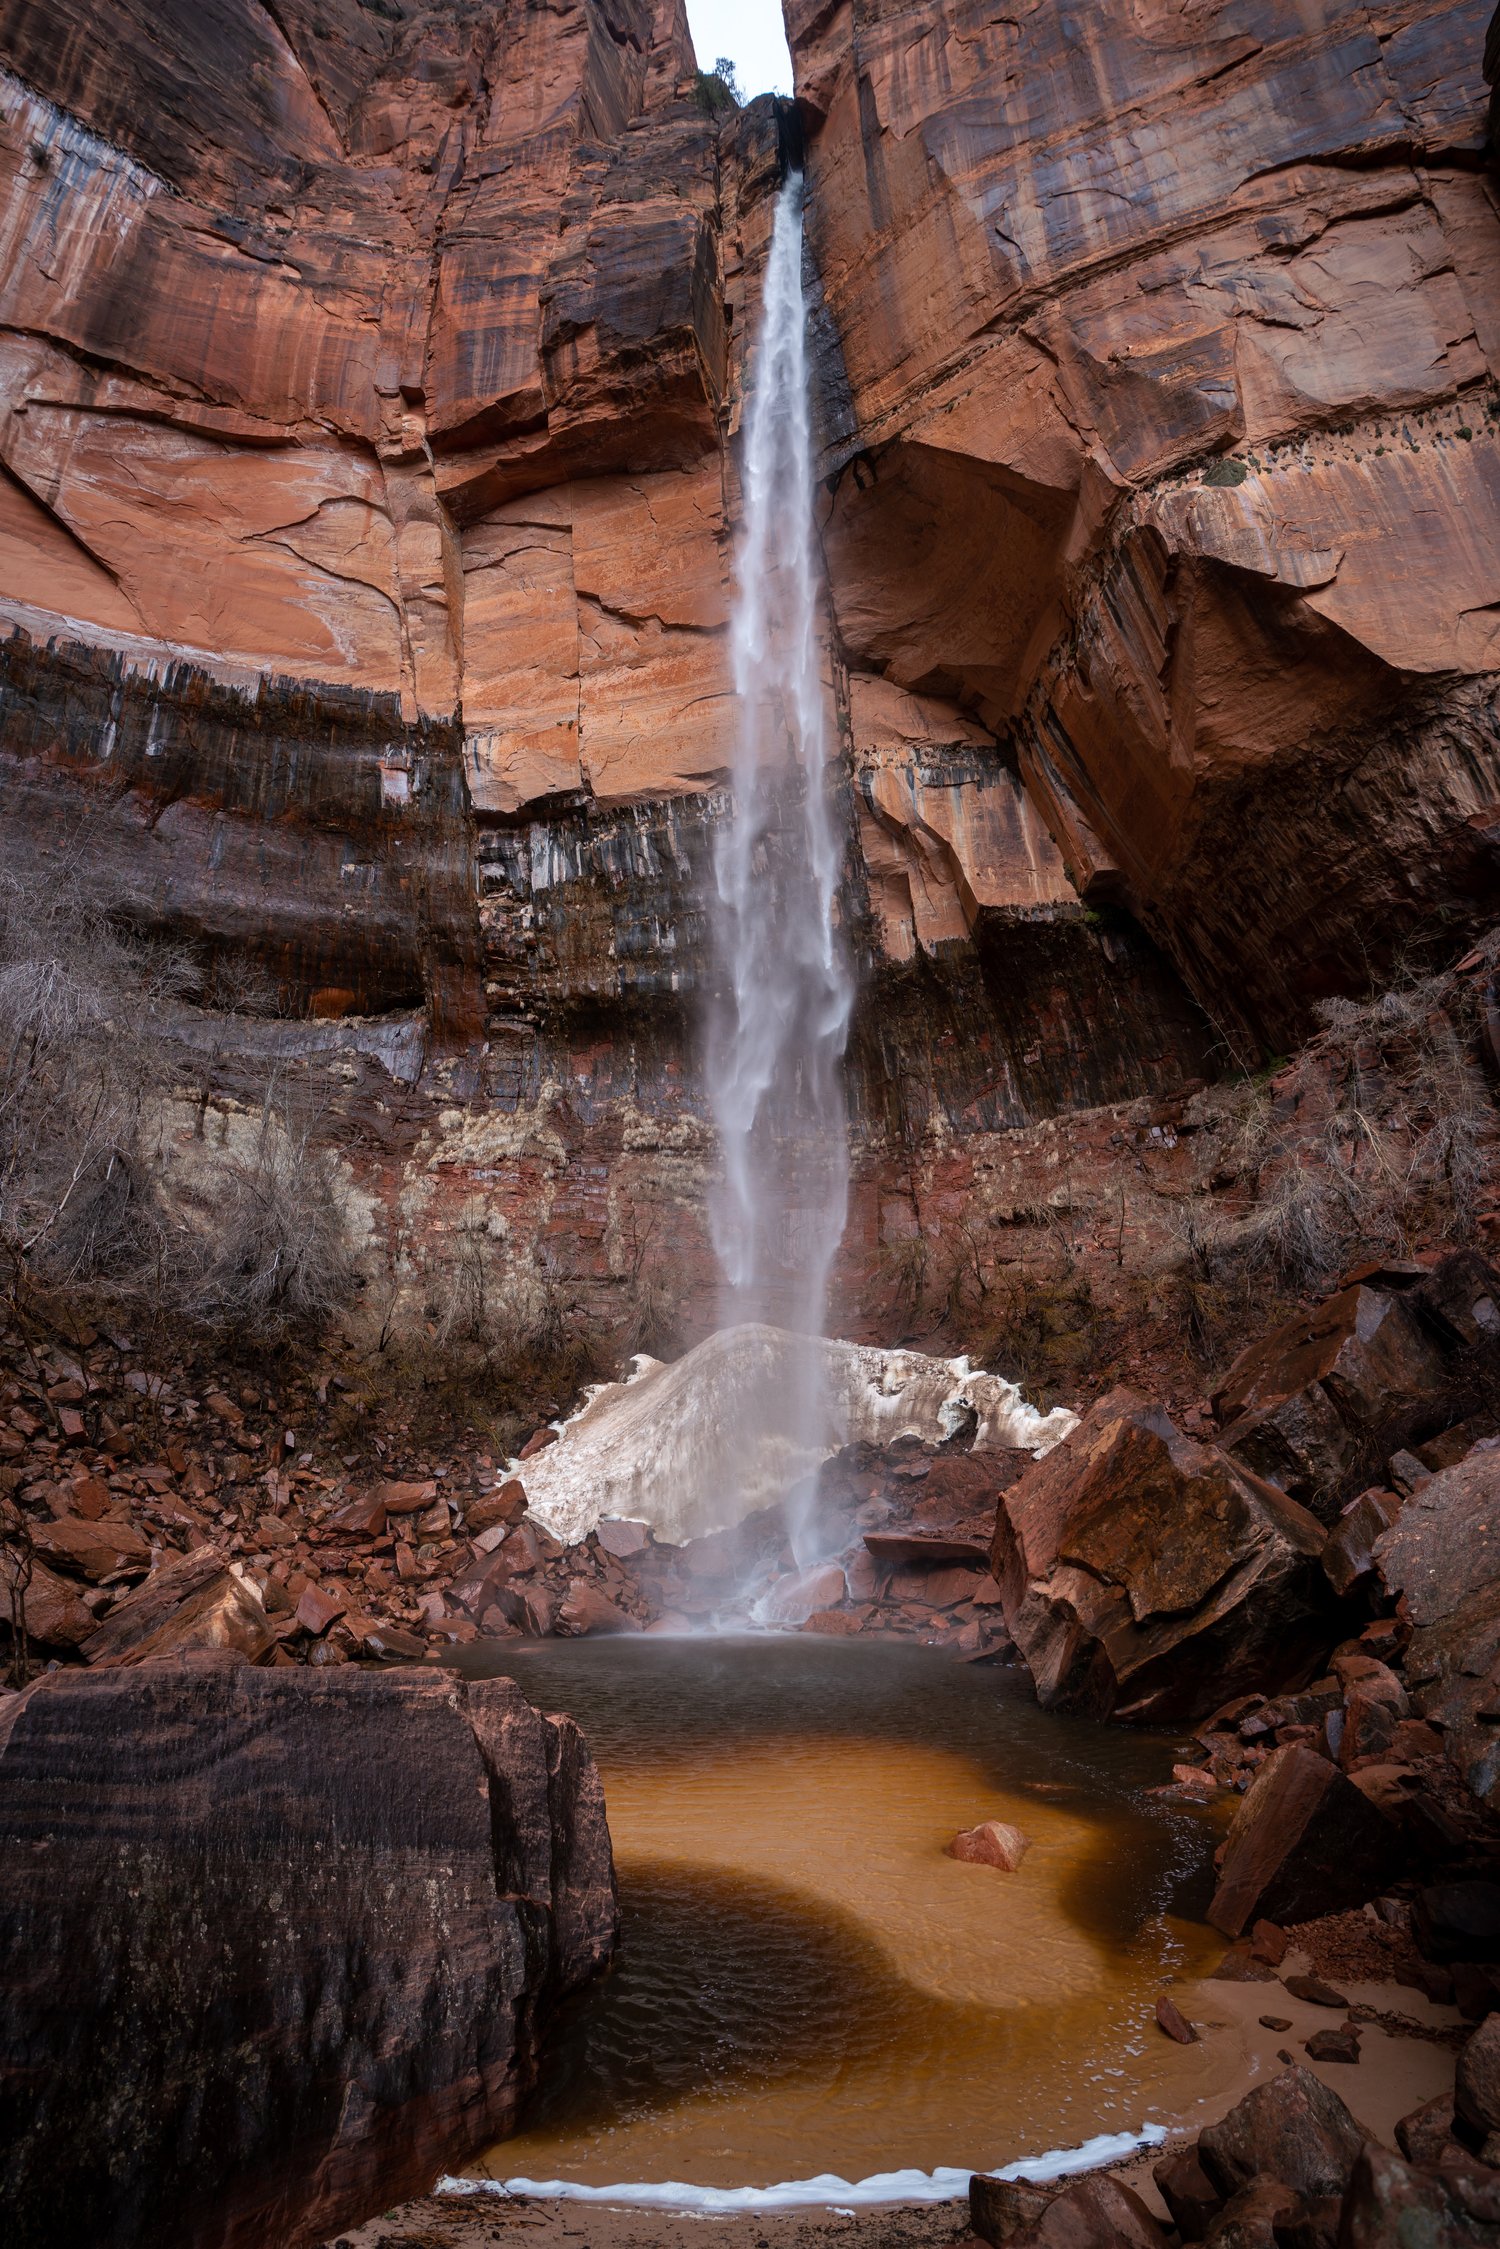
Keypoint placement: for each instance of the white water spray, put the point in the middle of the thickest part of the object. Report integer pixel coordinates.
(777, 1039)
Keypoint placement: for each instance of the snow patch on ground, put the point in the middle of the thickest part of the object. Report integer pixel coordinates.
(826, 2190)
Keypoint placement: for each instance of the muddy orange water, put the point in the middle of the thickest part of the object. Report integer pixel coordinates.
(805, 1982)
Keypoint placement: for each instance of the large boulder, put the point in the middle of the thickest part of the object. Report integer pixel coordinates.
(1146, 1576)
(1304, 1840)
(1457, 1920)
(277, 1945)
(1293, 2129)
(1096, 2212)
(1442, 1559)
(1260, 2216)
(1189, 2193)
(1476, 2091)
(1318, 1403)
(192, 1604)
(1395, 2204)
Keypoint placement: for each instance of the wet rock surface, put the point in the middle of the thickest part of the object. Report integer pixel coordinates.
(1291, 2163)
(1439, 1560)
(1019, 385)
(278, 1946)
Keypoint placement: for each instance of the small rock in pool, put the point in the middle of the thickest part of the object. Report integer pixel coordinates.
(1275, 2022)
(1170, 2018)
(994, 1843)
(1332, 2046)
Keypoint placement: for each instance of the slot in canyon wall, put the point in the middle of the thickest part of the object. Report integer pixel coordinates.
(372, 372)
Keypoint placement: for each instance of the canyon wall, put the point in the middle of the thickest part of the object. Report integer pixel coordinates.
(1170, 333)
(367, 482)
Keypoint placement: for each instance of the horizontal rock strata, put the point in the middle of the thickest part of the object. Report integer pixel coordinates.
(366, 517)
(279, 1946)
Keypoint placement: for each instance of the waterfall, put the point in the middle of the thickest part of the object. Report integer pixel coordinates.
(777, 1036)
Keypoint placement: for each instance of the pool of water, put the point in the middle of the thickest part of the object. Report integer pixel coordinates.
(805, 1982)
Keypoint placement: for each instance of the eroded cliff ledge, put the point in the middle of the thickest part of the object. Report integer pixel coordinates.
(368, 471)
(1170, 334)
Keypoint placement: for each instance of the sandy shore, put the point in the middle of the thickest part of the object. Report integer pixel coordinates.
(1406, 2059)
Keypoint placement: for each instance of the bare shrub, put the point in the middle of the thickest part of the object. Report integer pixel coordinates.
(901, 1274)
(469, 1319)
(653, 1320)
(1375, 1140)
(276, 1255)
(1042, 1333)
(81, 1032)
(93, 1195)
(17, 1567)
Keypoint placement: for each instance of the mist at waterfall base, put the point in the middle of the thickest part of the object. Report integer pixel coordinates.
(779, 1026)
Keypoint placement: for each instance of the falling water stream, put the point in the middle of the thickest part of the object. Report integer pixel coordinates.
(776, 1038)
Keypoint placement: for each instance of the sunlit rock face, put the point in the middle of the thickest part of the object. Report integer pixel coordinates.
(1170, 334)
(369, 472)
(298, 310)
(365, 531)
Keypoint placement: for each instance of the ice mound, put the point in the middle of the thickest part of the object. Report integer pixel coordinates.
(669, 1446)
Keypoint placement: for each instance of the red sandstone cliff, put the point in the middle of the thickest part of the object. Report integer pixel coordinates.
(372, 376)
(1170, 333)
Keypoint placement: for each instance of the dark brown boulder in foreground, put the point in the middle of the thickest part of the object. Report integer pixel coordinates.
(276, 1946)
(1092, 2213)
(1188, 2192)
(1290, 2168)
(999, 2209)
(1149, 1577)
(1426, 2133)
(1303, 1841)
(1476, 2089)
(1392, 2204)
(1258, 2217)
(1442, 1557)
(1457, 1920)
(1293, 2129)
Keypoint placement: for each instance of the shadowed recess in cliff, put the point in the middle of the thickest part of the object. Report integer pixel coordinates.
(301, 826)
